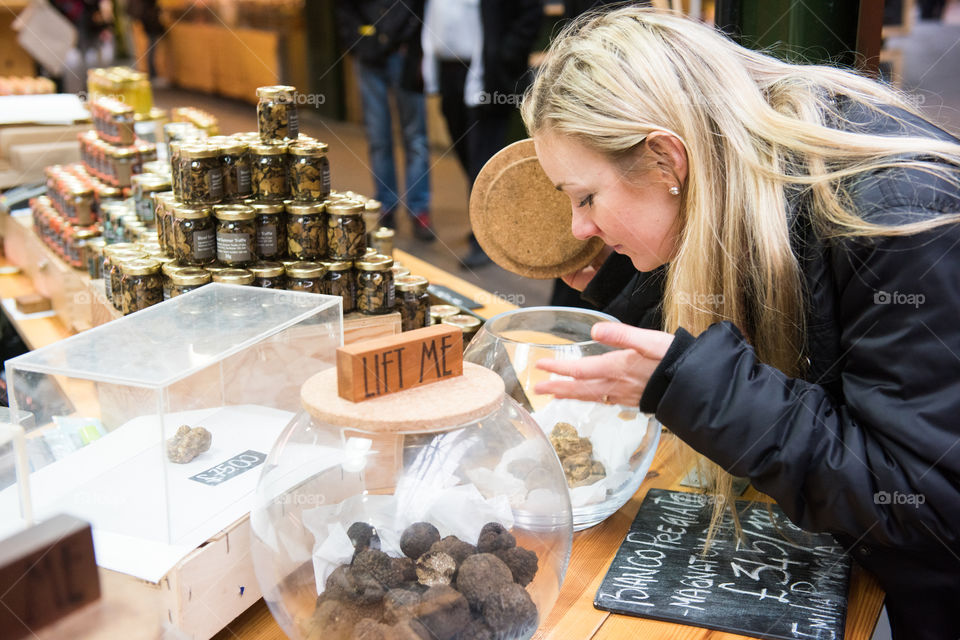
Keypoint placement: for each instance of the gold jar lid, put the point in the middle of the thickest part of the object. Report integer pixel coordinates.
(151, 182)
(97, 244)
(233, 276)
(417, 284)
(155, 252)
(276, 92)
(289, 262)
(338, 265)
(198, 150)
(189, 276)
(266, 269)
(233, 212)
(265, 208)
(305, 208)
(187, 212)
(156, 167)
(233, 147)
(375, 262)
(306, 270)
(383, 233)
(345, 207)
(116, 247)
(106, 191)
(468, 324)
(373, 205)
(370, 251)
(123, 153)
(305, 148)
(85, 234)
(216, 267)
(171, 267)
(140, 267)
(440, 311)
(399, 271)
(266, 149)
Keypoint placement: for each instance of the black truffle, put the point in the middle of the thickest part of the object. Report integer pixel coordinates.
(358, 587)
(510, 609)
(363, 536)
(455, 548)
(443, 612)
(494, 537)
(480, 575)
(417, 539)
(406, 569)
(331, 620)
(477, 629)
(522, 563)
(382, 567)
(400, 604)
(435, 567)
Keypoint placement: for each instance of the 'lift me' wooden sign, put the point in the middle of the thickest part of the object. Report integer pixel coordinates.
(394, 363)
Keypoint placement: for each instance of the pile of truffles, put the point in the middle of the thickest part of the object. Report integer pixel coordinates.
(186, 444)
(443, 589)
(576, 456)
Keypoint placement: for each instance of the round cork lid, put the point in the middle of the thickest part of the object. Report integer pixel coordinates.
(438, 405)
(522, 221)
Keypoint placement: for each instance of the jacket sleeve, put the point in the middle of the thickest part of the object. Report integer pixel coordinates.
(630, 296)
(882, 464)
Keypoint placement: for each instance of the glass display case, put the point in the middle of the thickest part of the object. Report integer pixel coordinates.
(149, 426)
(605, 450)
(427, 513)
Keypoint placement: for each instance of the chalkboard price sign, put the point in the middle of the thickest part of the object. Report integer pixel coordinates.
(781, 582)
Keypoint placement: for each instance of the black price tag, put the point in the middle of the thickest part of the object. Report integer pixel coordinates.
(231, 468)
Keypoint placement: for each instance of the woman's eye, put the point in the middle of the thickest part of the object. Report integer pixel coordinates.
(588, 201)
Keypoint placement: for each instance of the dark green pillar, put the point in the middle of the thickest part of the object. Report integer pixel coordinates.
(817, 31)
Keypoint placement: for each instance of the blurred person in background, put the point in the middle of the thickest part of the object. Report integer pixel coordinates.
(476, 55)
(384, 38)
(147, 14)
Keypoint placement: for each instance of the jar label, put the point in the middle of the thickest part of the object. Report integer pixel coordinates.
(233, 247)
(243, 180)
(293, 122)
(267, 240)
(326, 177)
(215, 184)
(204, 244)
(145, 209)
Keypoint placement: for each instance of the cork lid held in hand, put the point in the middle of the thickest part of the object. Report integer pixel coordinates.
(522, 221)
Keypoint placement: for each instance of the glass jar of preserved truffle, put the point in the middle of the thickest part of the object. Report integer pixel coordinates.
(236, 234)
(187, 279)
(306, 276)
(413, 302)
(268, 172)
(233, 276)
(440, 311)
(424, 520)
(235, 164)
(467, 323)
(306, 231)
(94, 258)
(277, 113)
(346, 236)
(398, 271)
(271, 222)
(165, 204)
(371, 217)
(201, 176)
(341, 281)
(194, 235)
(382, 241)
(375, 291)
(269, 275)
(141, 285)
(113, 274)
(106, 263)
(146, 187)
(309, 171)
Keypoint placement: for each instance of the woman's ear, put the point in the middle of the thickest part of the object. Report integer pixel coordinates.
(670, 155)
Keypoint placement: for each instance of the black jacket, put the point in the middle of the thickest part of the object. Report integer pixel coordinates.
(867, 444)
(510, 29)
(371, 30)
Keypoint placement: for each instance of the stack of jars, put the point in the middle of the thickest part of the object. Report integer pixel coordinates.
(114, 164)
(67, 238)
(113, 121)
(128, 85)
(199, 118)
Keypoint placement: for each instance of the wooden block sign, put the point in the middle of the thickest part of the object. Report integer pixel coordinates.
(46, 572)
(393, 363)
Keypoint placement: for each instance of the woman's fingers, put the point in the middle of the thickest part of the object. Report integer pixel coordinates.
(647, 342)
(589, 367)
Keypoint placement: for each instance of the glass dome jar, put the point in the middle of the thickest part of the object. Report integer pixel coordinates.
(420, 513)
(605, 450)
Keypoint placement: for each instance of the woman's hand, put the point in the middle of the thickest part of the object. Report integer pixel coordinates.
(581, 278)
(617, 377)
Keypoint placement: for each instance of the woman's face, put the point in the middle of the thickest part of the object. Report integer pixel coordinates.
(634, 214)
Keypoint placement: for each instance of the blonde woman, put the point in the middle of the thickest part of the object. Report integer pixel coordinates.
(784, 241)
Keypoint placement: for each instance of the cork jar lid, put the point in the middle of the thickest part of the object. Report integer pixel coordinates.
(436, 406)
(522, 221)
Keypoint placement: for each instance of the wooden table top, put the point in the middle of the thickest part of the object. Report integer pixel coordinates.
(574, 617)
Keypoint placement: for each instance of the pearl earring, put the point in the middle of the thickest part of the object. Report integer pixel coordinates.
(674, 190)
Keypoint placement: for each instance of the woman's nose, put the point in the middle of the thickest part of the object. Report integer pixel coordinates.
(582, 227)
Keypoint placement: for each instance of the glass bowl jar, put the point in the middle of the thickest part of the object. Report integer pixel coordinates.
(433, 510)
(605, 450)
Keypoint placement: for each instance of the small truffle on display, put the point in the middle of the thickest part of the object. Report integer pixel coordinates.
(363, 536)
(522, 563)
(494, 537)
(435, 567)
(443, 611)
(187, 444)
(480, 575)
(417, 539)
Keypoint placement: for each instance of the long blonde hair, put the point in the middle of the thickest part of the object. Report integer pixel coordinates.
(753, 128)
